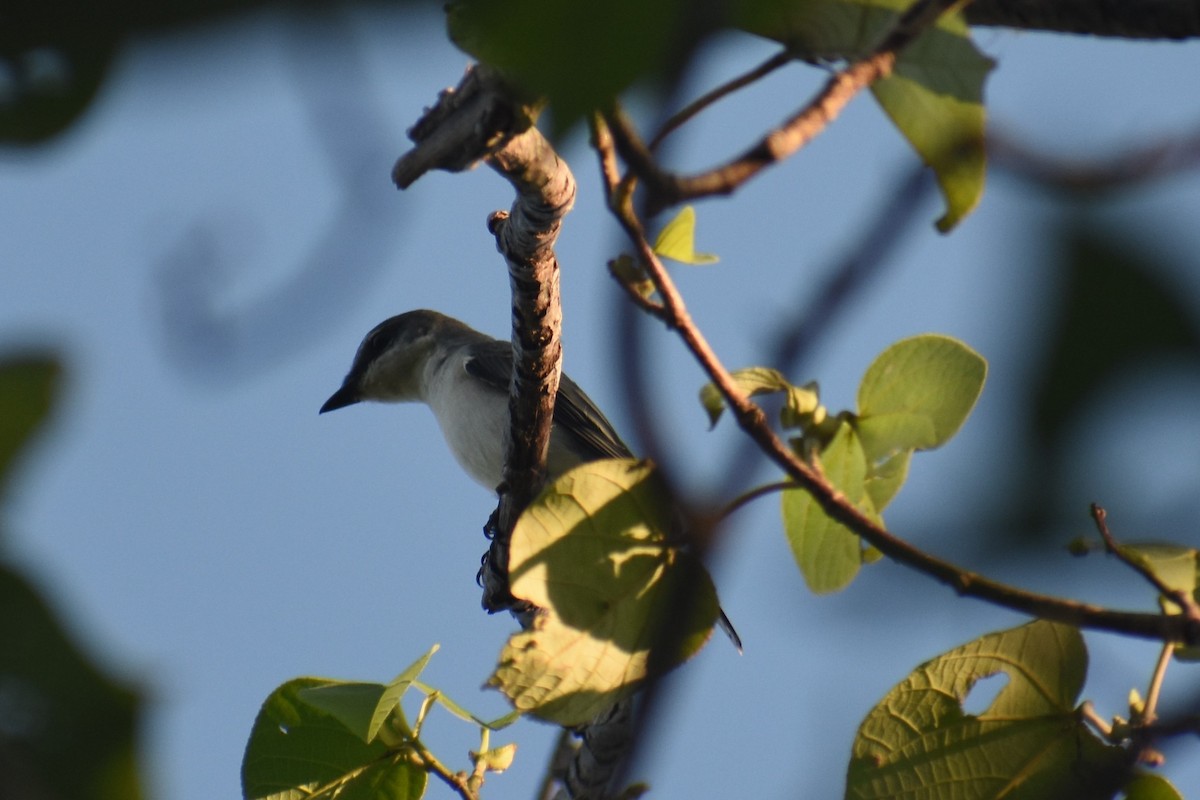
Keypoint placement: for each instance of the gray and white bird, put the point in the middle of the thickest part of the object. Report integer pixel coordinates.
(463, 376)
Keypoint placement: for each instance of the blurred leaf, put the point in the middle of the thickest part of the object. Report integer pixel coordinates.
(27, 390)
(1116, 312)
(592, 551)
(916, 394)
(934, 95)
(677, 240)
(296, 749)
(579, 56)
(1151, 787)
(828, 554)
(51, 84)
(633, 275)
(1029, 744)
(67, 730)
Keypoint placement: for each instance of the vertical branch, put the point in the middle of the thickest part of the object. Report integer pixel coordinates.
(525, 236)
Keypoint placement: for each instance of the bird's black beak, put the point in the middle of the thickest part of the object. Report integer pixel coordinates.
(345, 396)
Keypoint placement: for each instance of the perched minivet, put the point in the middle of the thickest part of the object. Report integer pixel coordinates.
(463, 376)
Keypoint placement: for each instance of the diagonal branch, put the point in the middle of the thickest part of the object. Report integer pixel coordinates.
(752, 419)
(666, 188)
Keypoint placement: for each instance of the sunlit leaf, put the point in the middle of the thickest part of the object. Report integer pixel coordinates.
(296, 749)
(886, 478)
(917, 394)
(828, 554)
(350, 703)
(592, 551)
(1029, 743)
(677, 240)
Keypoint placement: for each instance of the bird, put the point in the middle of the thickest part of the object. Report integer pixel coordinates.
(463, 376)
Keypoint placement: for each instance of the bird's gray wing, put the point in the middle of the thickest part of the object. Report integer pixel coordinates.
(574, 412)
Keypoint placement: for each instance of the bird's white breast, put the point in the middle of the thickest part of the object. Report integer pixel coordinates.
(474, 420)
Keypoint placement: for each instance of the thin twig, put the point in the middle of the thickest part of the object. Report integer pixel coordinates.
(430, 763)
(1180, 597)
(755, 493)
(707, 99)
(1150, 707)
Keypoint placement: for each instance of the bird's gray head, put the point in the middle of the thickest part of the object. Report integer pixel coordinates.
(390, 363)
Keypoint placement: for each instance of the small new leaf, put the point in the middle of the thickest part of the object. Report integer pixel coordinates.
(1028, 743)
(593, 552)
(803, 402)
(677, 240)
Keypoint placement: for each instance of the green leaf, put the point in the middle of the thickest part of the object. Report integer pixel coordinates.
(934, 95)
(677, 240)
(66, 727)
(390, 700)
(352, 704)
(28, 386)
(1028, 744)
(828, 554)
(364, 707)
(299, 751)
(1179, 568)
(917, 394)
(1151, 787)
(886, 478)
(802, 401)
(592, 551)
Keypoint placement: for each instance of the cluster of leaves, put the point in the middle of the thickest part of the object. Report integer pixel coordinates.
(319, 737)
(914, 396)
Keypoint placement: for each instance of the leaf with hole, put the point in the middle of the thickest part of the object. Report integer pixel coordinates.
(594, 552)
(1028, 743)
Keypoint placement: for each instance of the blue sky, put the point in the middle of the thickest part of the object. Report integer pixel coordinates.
(206, 248)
